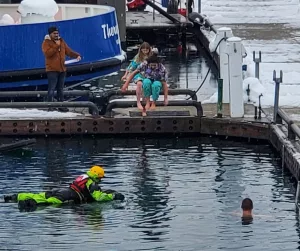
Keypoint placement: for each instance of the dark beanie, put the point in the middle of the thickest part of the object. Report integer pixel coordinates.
(52, 29)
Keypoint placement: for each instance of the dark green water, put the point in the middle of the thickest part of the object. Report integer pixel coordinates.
(180, 195)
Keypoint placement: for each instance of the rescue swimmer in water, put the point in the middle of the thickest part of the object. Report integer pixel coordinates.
(84, 189)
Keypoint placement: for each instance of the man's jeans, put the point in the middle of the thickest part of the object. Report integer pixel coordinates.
(56, 80)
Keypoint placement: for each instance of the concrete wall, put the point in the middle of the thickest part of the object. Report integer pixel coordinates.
(120, 6)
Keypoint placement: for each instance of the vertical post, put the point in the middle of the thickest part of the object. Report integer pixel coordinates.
(259, 106)
(282, 159)
(276, 99)
(199, 6)
(153, 11)
(235, 62)
(220, 98)
(187, 9)
(183, 42)
(222, 34)
(255, 112)
(297, 193)
(257, 61)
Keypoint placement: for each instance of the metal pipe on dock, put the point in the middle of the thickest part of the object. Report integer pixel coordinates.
(293, 129)
(171, 92)
(94, 109)
(127, 104)
(284, 116)
(32, 94)
(161, 11)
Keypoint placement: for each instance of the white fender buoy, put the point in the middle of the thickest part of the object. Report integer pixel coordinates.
(37, 11)
(7, 20)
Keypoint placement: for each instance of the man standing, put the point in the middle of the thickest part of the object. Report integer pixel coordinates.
(55, 50)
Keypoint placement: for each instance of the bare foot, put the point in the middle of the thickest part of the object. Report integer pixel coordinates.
(153, 106)
(144, 113)
(147, 107)
(139, 105)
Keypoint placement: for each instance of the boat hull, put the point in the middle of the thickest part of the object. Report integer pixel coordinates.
(96, 38)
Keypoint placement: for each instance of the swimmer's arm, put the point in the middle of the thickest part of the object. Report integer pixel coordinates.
(98, 195)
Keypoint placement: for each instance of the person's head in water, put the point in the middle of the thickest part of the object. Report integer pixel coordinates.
(153, 61)
(247, 207)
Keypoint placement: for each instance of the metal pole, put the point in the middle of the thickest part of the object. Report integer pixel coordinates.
(153, 11)
(259, 106)
(276, 101)
(257, 61)
(199, 6)
(92, 107)
(220, 98)
(297, 193)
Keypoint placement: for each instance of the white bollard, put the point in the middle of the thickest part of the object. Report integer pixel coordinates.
(226, 33)
(235, 54)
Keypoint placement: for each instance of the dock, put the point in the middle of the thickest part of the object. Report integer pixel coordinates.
(275, 35)
(146, 20)
(122, 117)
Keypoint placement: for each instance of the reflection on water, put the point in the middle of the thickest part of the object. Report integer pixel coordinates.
(180, 195)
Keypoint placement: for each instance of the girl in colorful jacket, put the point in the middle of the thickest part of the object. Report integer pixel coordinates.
(155, 78)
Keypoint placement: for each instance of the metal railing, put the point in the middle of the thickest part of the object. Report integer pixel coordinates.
(127, 104)
(93, 109)
(171, 92)
(279, 114)
(162, 12)
(33, 94)
(293, 129)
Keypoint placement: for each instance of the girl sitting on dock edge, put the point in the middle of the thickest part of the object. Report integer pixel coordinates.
(143, 53)
(154, 76)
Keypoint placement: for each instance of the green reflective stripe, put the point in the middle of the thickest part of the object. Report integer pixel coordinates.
(100, 196)
(39, 198)
(88, 184)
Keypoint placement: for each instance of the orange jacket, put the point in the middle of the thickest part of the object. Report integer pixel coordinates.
(55, 55)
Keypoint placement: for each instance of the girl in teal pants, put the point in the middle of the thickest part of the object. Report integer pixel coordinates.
(155, 79)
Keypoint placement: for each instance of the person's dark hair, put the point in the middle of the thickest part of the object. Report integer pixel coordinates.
(52, 29)
(153, 59)
(247, 204)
